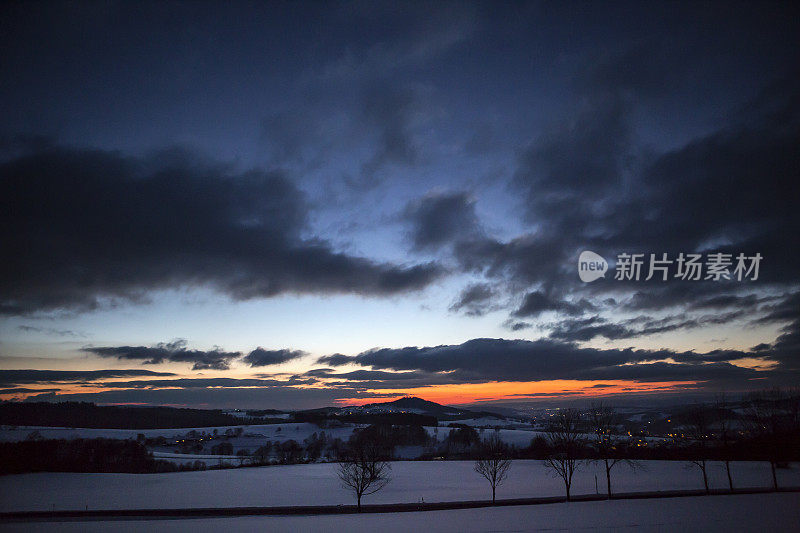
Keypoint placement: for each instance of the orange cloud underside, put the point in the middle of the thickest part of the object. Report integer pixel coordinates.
(516, 390)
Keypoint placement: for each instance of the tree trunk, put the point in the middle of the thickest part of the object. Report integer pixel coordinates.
(567, 485)
(608, 479)
(705, 477)
(774, 475)
(493, 493)
(730, 479)
(358, 499)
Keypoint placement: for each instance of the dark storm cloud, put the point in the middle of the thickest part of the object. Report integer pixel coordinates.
(515, 325)
(379, 379)
(474, 300)
(785, 310)
(563, 173)
(388, 378)
(786, 348)
(748, 168)
(585, 329)
(81, 227)
(336, 359)
(727, 300)
(389, 112)
(262, 357)
(528, 259)
(439, 219)
(201, 383)
(537, 302)
(19, 390)
(586, 187)
(26, 377)
(175, 352)
(364, 375)
(521, 360)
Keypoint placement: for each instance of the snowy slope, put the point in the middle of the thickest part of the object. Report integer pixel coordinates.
(716, 514)
(317, 484)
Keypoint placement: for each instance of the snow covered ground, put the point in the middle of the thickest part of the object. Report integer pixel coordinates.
(740, 513)
(316, 484)
(281, 432)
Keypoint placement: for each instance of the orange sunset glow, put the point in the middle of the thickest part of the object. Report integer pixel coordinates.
(514, 390)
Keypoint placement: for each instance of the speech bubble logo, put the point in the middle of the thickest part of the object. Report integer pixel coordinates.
(591, 266)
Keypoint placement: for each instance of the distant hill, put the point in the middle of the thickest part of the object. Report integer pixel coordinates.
(422, 407)
(405, 411)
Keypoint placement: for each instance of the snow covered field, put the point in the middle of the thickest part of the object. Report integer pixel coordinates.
(279, 432)
(316, 484)
(740, 513)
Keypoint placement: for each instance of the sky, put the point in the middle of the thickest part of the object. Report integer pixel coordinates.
(297, 204)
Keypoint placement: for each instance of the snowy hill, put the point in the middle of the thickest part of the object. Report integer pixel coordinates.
(421, 407)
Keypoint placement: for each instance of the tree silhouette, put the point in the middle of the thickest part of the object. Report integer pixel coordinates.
(601, 423)
(565, 441)
(724, 422)
(697, 427)
(773, 417)
(363, 470)
(493, 462)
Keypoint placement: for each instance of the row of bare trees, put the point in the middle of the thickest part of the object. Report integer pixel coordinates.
(767, 423)
(569, 436)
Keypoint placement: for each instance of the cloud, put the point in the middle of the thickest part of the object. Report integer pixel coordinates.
(175, 351)
(202, 383)
(522, 360)
(372, 375)
(51, 331)
(585, 329)
(475, 300)
(26, 377)
(389, 112)
(586, 186)
(563, 173)
(537, 302)
(515, 325)
(276, 397)
(262, 357)
(439, 219)
(336, 359)
(80, 228)
(19, 390)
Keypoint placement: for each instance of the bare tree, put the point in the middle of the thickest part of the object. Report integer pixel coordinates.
(697, 428)
(565, 441)
(774, 419)
(493, 462)
(363, 470)
(725, 419)
(601, 424)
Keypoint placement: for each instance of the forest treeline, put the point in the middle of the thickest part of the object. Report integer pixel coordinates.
(89, 415)
(79, 455)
